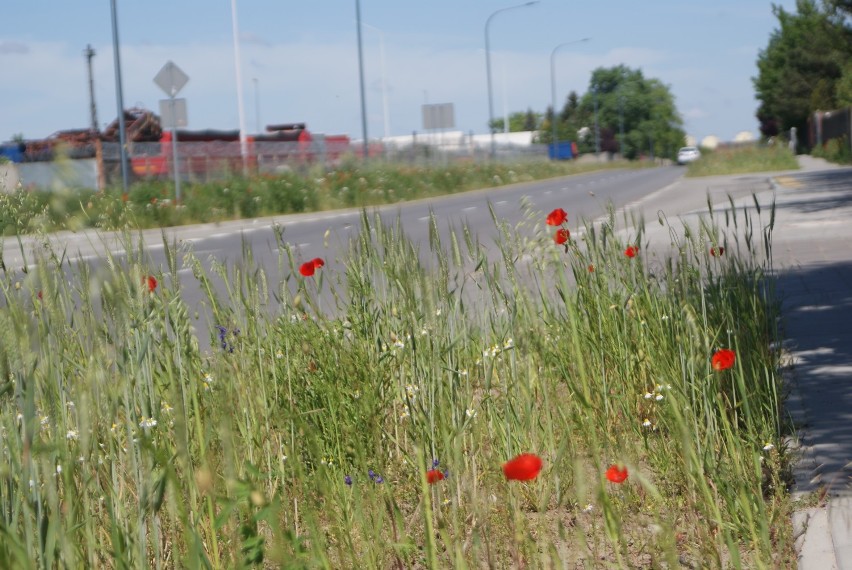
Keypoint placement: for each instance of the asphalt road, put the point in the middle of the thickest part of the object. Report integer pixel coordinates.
(327, 234)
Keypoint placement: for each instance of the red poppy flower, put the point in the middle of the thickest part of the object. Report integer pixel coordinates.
(151, 282)
(616, 475)
(723, 359)
(318, 262)
(591, 268)
(433, 476)
(561, 236)
(631, 251)
(717, 251)
(307, 269)
(524, 467)
(40, 295)
(557, 217)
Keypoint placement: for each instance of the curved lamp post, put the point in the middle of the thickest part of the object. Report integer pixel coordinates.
(488, 68)
(555, 139)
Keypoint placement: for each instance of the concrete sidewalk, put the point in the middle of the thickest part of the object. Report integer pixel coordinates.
(813, 257)
(812, 264)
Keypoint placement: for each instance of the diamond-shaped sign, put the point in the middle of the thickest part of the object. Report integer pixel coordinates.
(171, 79)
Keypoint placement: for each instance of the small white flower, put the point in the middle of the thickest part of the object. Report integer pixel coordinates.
(664, 318)
(70, 404)
(509, 343)
(165, 407)
(72, 434)
(646, 423)
(438, 312)
(768, 446)
(588, 508)
(470, 412)
(405, 413)
(658, 397)
(146, 423)
(356, 394)
(283, 458)
(44, 420)
(398, 344)
(58, 469)
(279, 355)
(648, 395)
(411, 390)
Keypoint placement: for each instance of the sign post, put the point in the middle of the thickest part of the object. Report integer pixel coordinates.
(171, 79)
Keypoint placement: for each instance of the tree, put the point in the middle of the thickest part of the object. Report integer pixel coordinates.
(799, 70)
(519, 121)
(645, 108)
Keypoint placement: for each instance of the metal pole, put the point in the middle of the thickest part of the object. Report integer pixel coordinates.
(90, 53)
(385, 108)
(488, 71)
(597, 137)
(122, 132)
(553, 90)
(256, 105)
(361, 79)
(176, 166)
(238, 66)
(621, 124)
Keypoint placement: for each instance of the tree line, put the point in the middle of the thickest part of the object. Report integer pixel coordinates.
(806, 66)
(636, 116)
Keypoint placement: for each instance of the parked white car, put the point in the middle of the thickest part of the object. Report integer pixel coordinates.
(688, 154)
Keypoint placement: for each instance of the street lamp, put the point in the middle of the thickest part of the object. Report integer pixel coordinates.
(385, 111)
(488, 69)
(553, 90)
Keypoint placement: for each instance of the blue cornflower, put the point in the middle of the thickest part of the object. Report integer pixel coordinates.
(223, 338)
(348, 480)
(435, 463)
(375, 477)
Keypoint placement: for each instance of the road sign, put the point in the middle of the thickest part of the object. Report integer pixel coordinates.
(173, 113)
(440, 116)
(171, 79)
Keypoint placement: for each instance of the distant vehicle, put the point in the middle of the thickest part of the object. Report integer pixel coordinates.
(688, 154)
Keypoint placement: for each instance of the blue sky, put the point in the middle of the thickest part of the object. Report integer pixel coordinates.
(303, 56)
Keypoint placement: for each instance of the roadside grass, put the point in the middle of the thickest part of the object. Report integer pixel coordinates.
(740, 160)
(834, 150)
(302, 439)
(150, 204)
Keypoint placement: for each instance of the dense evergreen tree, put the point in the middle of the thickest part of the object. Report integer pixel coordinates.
(805, 66)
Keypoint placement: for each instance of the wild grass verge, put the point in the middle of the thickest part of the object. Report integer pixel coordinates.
(150, 204)
(740, 160)
(303, 439)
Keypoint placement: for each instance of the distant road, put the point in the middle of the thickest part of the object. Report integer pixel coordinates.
(582, 196)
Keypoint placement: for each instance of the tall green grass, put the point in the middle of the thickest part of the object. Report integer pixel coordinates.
(301, 439)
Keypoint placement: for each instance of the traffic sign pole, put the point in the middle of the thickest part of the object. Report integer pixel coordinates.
(171, 79)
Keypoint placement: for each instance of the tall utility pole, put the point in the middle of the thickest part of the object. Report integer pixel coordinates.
(361, 79)
(119, 96)
(90, 53)
(235, 29)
